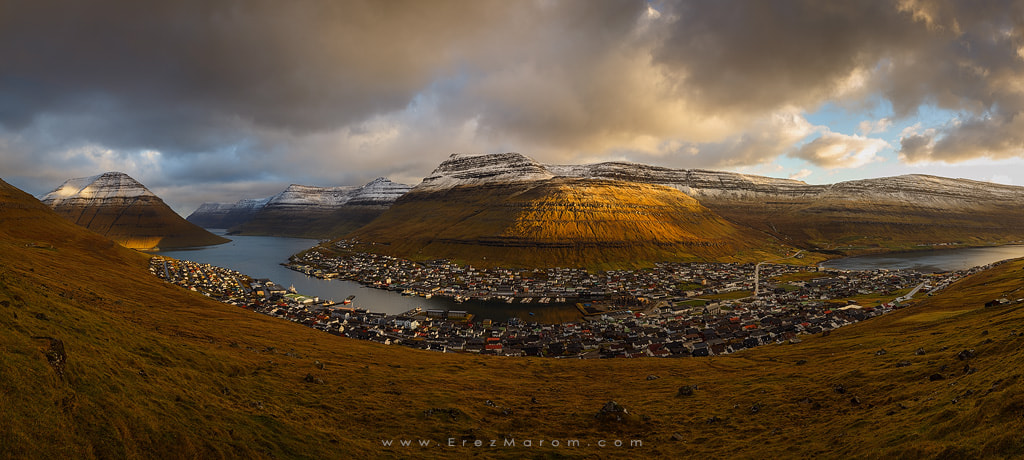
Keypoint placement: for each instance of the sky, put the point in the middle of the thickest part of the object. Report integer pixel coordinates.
(223, 100)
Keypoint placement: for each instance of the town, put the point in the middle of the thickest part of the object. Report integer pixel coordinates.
(672, 310)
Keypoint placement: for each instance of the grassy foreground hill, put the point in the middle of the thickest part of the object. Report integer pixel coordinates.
(102, 360)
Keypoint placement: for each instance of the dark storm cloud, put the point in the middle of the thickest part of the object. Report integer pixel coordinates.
(741, 55)
(225, 93)
(966, 56)
(974, 66)
(189, 67)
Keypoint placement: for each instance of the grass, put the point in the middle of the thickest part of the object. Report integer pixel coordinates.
(156, 371)
(844, 227)
(142, 223)
(594, 224)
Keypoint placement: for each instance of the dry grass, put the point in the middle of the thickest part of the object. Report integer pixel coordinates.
(866, 227)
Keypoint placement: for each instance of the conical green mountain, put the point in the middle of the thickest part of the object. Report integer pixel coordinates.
(120, 208)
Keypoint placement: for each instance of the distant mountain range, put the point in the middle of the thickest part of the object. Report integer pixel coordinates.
(303, 210)
(122, 209)
(510, 209)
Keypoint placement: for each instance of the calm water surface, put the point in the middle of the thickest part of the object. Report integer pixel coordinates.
(932, 261)
(262, 256)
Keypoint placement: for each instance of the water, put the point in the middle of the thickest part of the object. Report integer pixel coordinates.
(262, 256)
(931, 261)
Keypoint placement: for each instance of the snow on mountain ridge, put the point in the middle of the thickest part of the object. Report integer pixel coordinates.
(465, 169)
(243, 204)
(380, 191)
(308, 195)
(99, 187)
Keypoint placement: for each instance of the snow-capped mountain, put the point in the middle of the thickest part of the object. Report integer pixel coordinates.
(465, 170)
(378, 192)
(303, 210)
(308, 196)
(871, 215)
(226, 215)
(119, 207)
(106, 186)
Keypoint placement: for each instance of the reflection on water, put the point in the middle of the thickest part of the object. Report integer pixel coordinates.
(932, 261)
(262, 256)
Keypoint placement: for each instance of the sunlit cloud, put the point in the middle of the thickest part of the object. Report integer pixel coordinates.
(801, 174)
(835, 150)
(877, 126)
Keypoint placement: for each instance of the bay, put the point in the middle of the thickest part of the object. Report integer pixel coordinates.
(929, 261)
(262, 256)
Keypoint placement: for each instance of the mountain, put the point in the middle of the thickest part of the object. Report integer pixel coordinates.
(889, 213)
(120, 208)
(103, 360)
(317, 212)
(226, 215)
(472, 204)
(508, 209)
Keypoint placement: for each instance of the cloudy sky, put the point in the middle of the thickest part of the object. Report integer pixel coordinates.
(223, 100)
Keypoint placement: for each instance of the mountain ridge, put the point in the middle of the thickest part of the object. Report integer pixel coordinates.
(462, 169)
(850, 217)
(304, 211)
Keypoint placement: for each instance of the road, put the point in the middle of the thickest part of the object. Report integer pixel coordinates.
(910, 294)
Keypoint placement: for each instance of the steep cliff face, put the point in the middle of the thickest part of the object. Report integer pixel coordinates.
(321, 212)
(461, 169)
(120, 208)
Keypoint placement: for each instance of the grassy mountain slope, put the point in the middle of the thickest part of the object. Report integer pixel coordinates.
(561, 222)
(143, 222)
(145, 369)
(871, 226)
